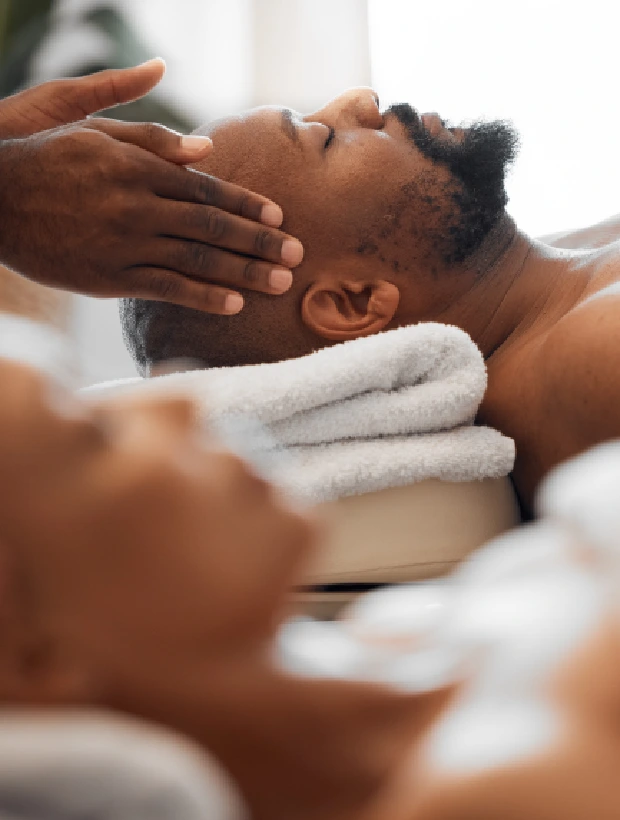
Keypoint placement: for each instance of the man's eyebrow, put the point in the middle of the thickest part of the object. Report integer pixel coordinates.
(288, 125)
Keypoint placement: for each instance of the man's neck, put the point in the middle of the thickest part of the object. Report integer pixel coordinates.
(515, 287)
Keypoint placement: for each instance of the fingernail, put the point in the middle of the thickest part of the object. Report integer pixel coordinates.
(280, 279)
(152, 61)
(292, 252)
(195, 144)
(233, 303)
(271, 215)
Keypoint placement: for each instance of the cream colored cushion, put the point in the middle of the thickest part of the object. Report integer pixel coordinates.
(404, 534)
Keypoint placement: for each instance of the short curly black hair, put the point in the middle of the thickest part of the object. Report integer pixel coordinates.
(157, 332)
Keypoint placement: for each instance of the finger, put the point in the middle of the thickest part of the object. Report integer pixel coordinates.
(163, 285)
(188, 185)
(210, 225)
(60, 102)
(115, 86)
(157, 139)
(205, 262)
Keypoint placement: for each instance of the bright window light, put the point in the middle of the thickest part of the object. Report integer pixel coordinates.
(550, 67)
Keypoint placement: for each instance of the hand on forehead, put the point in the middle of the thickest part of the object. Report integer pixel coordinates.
(332, 171)
(363, 186)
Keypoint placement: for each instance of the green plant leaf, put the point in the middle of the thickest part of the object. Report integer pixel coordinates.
(20, 13)
(28, 22)
(128, 48)
(25, 24)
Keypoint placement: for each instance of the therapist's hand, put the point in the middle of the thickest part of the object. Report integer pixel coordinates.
(61, 102)
(103, 208)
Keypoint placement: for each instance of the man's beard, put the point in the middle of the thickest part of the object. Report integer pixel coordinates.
(479, 161)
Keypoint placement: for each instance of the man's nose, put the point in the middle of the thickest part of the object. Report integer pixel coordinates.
(356, 108)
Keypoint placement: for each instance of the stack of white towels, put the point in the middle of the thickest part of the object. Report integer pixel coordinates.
(376, 412)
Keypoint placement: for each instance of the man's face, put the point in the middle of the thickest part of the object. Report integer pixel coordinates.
(130, 538)
(385, 204)
(395, 188)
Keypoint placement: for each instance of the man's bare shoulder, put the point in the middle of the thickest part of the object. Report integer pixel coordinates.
(558, 393)
(579, 363)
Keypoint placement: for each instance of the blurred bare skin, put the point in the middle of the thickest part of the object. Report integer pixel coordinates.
(545, 314)
(573, 777)
(145, 569)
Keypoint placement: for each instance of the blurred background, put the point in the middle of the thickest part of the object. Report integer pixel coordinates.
(548, 66)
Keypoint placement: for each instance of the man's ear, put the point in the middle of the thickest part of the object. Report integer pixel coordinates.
(341, 309)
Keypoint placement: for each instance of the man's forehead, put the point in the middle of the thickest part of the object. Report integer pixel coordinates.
(255, 122)
(253, 139)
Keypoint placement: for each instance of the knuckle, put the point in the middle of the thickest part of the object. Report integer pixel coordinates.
(165, 288)
(84, 136)
(123, 209)
(215, 224)
(207, 190)
(200, 258)
(79, 144)
(263, 242)
(251, 273)
(247, 208)
(128, 174)
(153, 133)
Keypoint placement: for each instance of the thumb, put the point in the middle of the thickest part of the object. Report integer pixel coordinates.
(159, 140)
(60, 102)
(105, 89)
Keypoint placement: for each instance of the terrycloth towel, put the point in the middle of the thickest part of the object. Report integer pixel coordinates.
(372, 413)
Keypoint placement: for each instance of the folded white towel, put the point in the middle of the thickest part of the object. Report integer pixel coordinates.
(373, 413)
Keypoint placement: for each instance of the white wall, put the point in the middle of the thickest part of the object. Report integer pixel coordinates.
(207, 45)
(551, 67)
(308, 51)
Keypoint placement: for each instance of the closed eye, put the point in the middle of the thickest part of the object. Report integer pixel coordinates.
(330, 137)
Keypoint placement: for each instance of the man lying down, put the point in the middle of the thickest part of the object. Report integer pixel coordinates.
(403, 220)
